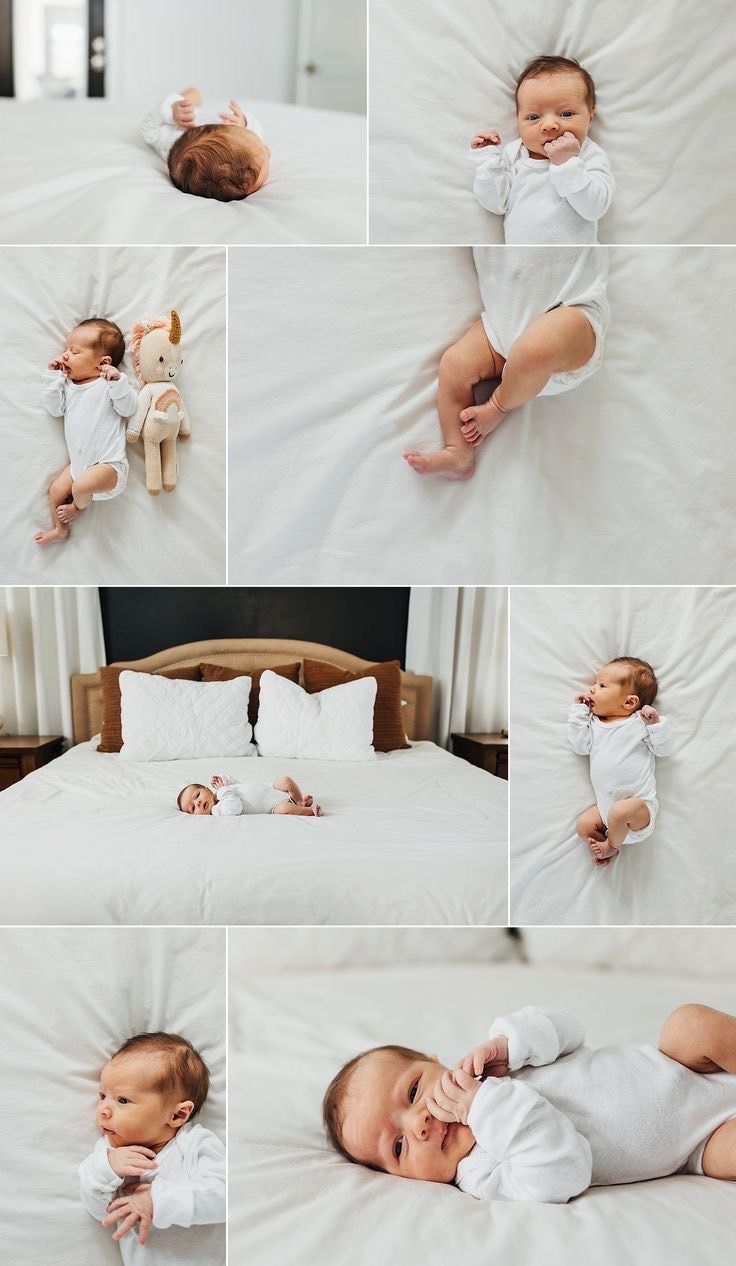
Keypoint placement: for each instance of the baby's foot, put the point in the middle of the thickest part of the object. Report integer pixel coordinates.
(601, 851)
(478, 420)
(306, 802)
(316, 809)
(67, 513)
(449, 461)
(51, 537)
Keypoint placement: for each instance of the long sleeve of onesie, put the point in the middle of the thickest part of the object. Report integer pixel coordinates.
(658, 737)
(53, 392)
(159, 130)
(200, 1201)
(538, 1037)
(98, 1182)
(123, 397)
(493, 177)
(228, 804)
(586, 182)
(579, 728)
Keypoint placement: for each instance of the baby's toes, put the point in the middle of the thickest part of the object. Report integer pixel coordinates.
(308, 801)
(317, 810)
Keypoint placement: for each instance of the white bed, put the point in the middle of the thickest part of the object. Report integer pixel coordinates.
(79, 171)
(135, 538)
(622, 481)
(686, 871)
(291, 1029)
(69, 999)
(666, 111)
(414, 836)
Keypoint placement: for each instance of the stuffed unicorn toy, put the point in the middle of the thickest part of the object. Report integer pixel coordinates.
(161, 415)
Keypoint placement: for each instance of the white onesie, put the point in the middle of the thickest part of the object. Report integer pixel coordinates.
(544, 204)
(188, 1194)
(94, 427)
(621, 759)
(568, 1117)
(247, 797)
(159, 129)
(517, 285)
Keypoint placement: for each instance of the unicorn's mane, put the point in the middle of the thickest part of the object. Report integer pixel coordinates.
(139, 330)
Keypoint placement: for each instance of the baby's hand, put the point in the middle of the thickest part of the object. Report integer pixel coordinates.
(490, 1059)
(110, 373)
(217, 781)
(566, 146)
(59, 364)
(649, 715)
(586, 699)
(131, 1162)
(134, 1208)
(453, 1096)
(485, 138)
(234, 115)
(183, 114)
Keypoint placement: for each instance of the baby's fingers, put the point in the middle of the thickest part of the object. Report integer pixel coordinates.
(464, 1080)
(125, 1226)
(437, 1111)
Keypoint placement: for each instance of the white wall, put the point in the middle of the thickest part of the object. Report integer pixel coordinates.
(240, 48)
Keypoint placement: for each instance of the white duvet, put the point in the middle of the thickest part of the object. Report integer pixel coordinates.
(135, 538)
(666, 111)
(79, 171)
(287, 1187)
(624, 480)
(69, 998)
(686, 871)
(416, 836)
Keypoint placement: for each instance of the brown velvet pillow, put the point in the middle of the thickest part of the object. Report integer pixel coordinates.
(220, 672)
(388, 723)
(111, 729)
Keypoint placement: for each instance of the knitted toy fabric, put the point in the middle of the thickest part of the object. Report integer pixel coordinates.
(161, 415)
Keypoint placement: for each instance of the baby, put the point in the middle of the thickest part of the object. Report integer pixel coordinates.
(541, 333)
(533, 1114)
(152, 1172)
(85, 387)
(226, 798)
(211, 155)
(616, 725)
(553, 184)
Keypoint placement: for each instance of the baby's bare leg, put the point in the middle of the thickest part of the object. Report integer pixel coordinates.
(298, 810)
(591, 828)
(467, 362)
(291, 788)
(624, 816)
(556, 342)
(704, 1039)
(719, 1157)
(101, 478)
(59, 492)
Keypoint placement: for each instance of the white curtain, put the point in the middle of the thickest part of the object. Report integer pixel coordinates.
(459, 636)
(52, 633)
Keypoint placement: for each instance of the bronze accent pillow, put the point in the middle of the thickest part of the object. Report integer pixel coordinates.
(111, 729)
(388, 723)
(220, 672)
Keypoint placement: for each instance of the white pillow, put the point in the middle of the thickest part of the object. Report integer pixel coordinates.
(165, 719)
(267, 950)
(676, 951)
(334, 724)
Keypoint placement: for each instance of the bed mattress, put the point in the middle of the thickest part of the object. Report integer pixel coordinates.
(416, 836)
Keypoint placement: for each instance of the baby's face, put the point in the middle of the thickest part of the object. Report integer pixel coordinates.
(550, 105)
(128, 1109)
(197, 799)
(82, 355)
(387, 1124)
(611, 692)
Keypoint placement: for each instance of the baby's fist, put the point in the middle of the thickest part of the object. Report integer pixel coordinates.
(59, 364)
(482, 139)
(564, 147)
(586, 699)
(110, 373)
(131, 1162)
(649, 715)
(183, 114)
(490, 1059)
(453, 1095)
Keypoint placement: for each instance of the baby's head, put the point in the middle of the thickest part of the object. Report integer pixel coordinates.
(90, 346)
(623, 687)
(149, 1088)
(219, 161)
(375, 1113)
(196, 798)
(553, 95)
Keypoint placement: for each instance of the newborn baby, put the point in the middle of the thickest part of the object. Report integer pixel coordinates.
(213, 155)
(155, 1176)
(616, 725)
(85, 387)
(227, 798)
(553, 184)
(533, 1114)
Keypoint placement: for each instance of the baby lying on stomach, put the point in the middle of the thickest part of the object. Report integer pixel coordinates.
(533, 1114)
(225, 797)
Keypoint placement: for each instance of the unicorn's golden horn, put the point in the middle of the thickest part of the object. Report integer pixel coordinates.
(175, 331)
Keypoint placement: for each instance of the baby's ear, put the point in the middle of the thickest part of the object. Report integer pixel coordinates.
(182, 1113)
(632, 703)
(105, 360)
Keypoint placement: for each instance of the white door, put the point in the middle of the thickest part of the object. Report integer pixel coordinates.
(331, 55)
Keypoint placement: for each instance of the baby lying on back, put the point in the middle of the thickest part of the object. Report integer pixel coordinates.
(227, 798)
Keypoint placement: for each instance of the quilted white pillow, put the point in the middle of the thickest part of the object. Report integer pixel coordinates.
(164, 719)
(334, 724)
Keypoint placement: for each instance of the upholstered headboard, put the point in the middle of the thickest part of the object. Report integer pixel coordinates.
(245, 653)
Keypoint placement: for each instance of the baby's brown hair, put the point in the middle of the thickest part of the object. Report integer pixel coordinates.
(202, 162)
(109, 337)
(641, 678)
(184, 1072)
(333, 1102)
(549, 65)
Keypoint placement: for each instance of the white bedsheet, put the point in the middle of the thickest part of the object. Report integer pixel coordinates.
(287, 1187)
(79, 171)
(666, 111)
(624, 480)
(415, 836)
(135, 538)
(686, 871)
(69, 999)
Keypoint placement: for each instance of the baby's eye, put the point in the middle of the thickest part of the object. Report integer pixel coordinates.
(531, 118)
(121, 1099)
(398, 1145)
(567, 114)
(413, 1091)
(100, 1094)
(161, 360)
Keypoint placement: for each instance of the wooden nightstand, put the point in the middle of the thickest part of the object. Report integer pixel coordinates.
(487, 751)
(20, 754)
